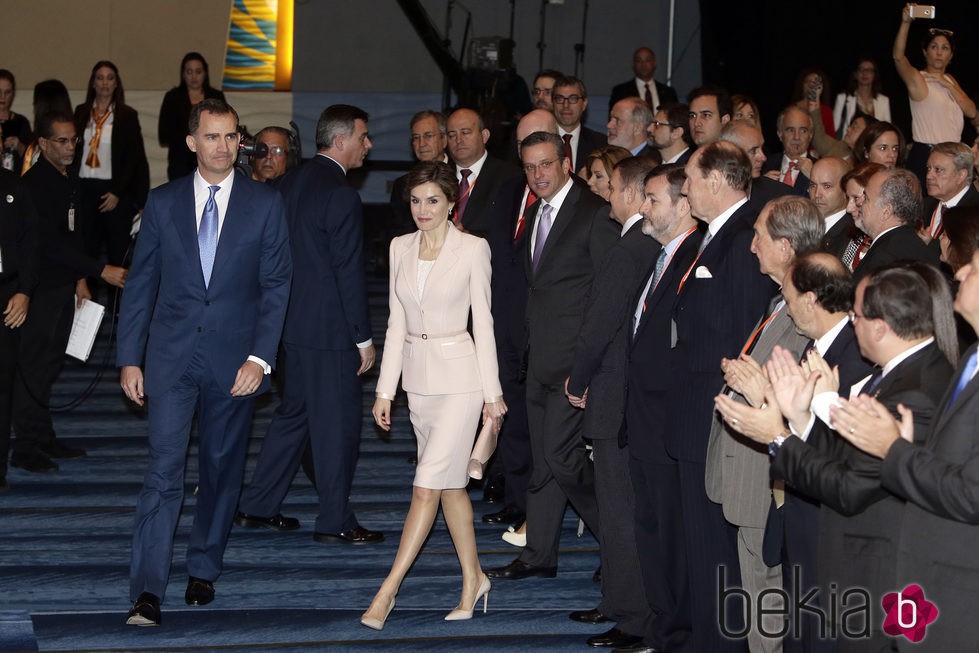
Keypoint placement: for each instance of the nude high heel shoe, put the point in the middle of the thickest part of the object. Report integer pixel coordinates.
(377, 624)
(483, 593)
(483, 449)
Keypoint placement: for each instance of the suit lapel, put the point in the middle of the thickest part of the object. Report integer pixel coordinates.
(185, 221)
(682, 258)
(409, 265)
(967, 392)
(559, 224)
(444, 262)
(236, 220)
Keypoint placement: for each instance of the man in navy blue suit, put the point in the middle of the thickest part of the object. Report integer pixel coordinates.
(203, 310)
(326, 342)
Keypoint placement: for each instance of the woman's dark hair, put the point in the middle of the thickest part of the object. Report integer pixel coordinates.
(9, 76)
(873, 131)
(852, 84)
(441, 174)
(933, 33)
(861, 173)
(799, 90)
(118, 96)
(961, 227)
(49, 96)
(195, 56)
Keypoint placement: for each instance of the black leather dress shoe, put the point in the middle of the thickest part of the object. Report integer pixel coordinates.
(509, 515)
(613, 638)
(494, 491)
(145, 612)
(519, 569)
(278, 523)
(358, 535)
(33, 461)
(588, 617)
(199, 591)
(56, 449)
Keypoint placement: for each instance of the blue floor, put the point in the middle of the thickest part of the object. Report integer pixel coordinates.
(64, 554)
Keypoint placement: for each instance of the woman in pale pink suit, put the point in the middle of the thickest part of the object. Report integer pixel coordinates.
(438, 274)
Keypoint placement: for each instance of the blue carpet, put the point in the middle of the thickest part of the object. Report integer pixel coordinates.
(64, 553)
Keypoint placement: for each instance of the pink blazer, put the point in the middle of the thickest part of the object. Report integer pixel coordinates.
(427, 343)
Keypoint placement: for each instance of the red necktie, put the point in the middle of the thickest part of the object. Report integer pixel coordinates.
(861, 250)
(464, 189)
(567, 150)
(522, 220)
(787, 179)
(648, 98)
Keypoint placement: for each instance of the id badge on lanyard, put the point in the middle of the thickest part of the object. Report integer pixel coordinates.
(71, 218)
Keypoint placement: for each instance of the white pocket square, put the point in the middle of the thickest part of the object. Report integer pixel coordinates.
(702, 273)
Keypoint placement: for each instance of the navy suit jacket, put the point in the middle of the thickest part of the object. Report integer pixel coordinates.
(478, 216)
(328, 305)
(714, 316)
(167, 313)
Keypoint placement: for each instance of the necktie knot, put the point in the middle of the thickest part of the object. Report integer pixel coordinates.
(465, 172)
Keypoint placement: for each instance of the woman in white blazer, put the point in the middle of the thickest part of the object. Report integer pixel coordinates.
(438, 274)
(862, 98)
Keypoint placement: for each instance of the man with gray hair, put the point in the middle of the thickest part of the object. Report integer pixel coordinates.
(737, 469)
(890, 212)
(792, 165)
(428, 141)
(627, 125)
(326, 341)
(948, 180)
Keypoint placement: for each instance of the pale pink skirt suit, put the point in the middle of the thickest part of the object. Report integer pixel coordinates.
(447, 373)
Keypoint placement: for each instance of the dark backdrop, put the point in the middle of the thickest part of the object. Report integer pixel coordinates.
(758, 48)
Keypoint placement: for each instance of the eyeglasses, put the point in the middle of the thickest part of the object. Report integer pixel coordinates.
(543, 166)
(427, 136)
(570, 99)
(64, 140)
(656, 124)
(540, 91)
(275, 150)
(854, 316)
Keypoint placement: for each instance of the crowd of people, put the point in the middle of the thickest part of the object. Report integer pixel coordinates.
(743, 371)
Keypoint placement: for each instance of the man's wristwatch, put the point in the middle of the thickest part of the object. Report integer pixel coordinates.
(776, 444)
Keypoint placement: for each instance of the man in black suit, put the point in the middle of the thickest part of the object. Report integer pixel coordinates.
(643, 86)
(900, 328)
(428, 143)
(570, 100)
(479, 174)
(949, 183)
(827, 193)
(18, 277)
(710, 109)
(719, 299)
(891, 208)
(52, 184)
(326, 341)
(669, 133)
(627, 124)
(508, 243)
(938, 527)
(792, 166)
(569, 236)
(598, 383)
(656, 483)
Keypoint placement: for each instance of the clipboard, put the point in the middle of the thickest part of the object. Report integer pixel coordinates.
(84, 328)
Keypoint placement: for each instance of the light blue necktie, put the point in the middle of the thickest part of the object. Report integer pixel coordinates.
(967, 373)
(207, 235)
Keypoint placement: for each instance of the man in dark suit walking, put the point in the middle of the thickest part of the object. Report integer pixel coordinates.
(480, 175)
(643, 85)
(597, 383)
(570, 234)
(326, 340)
(203, 310)
(655, 480)
(570, 99)
(719, 299)
(938, 527)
